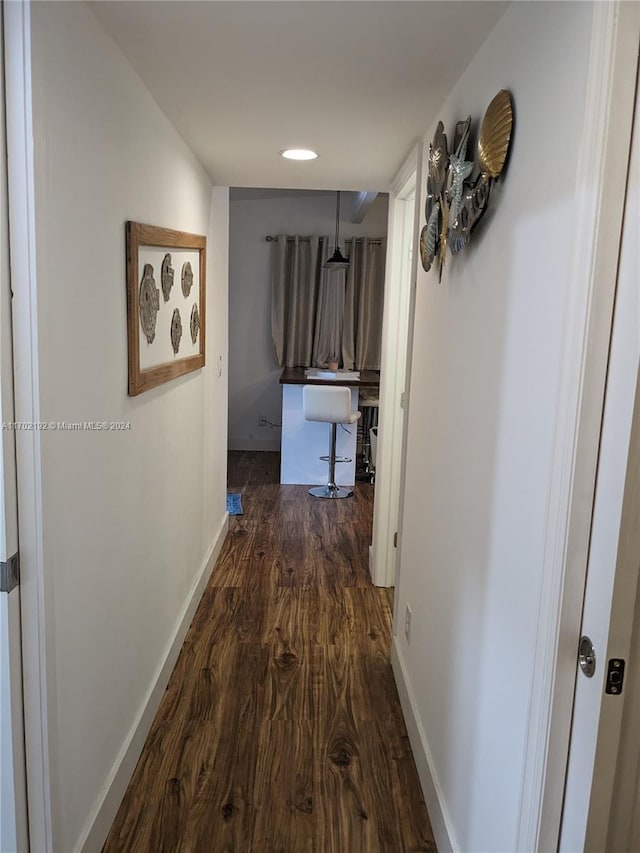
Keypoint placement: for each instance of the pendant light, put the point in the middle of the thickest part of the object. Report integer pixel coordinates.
(337, 261)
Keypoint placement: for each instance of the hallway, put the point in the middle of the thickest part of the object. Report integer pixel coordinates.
(281, 729)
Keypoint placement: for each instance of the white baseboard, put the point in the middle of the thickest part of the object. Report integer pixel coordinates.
(254, 443)
(103, 814)
(438, 814)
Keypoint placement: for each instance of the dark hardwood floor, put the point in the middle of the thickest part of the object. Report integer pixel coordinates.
(280, 730)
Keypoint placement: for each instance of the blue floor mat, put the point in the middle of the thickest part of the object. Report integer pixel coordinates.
(234, 505)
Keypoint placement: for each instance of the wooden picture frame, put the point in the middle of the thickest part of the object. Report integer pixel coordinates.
(145, 242)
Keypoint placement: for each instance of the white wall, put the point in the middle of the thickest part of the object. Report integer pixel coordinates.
(253, 376)
(485, 370)
(130, 519)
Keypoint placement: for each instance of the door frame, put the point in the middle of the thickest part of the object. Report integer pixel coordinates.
(621, 815)
(37, 652)
(590, 295)
(13, 803)
(396, 325)
(613, 563)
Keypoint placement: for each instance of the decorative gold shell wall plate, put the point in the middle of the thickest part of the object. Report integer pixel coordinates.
(495, 135)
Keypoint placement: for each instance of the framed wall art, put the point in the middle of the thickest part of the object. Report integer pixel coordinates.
(166, 273)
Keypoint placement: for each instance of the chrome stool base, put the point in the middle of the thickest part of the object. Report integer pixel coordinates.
(331, 406)
(330, 492)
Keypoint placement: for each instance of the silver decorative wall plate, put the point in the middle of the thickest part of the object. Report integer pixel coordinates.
(194, 324)
(149, 302)
(187, 279)
(176, 330)
(167, 276)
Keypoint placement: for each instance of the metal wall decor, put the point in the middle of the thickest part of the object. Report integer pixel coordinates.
(458, 189)
(149, 303)
(433, 231)
(158, 350)
(194, 323)
(187, 279)
(176, 330)
(167, 277)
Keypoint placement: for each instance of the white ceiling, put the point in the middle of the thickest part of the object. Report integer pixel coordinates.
(358, 82)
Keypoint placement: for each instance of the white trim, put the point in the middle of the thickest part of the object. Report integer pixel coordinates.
(383, 556)
(440, 821)
(407, 169)
(14, 831)
(37, 652)
(419, 155)
(13, 803)
(106, 807)
(600, 183)
(9, 515)
(395, 323)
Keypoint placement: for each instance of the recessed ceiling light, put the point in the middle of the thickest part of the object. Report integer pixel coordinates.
(299, 154)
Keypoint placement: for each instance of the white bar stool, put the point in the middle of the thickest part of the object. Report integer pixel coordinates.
(333, 406)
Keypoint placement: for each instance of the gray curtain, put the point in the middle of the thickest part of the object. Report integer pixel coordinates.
(296, 276)
(327, 344)
(316, 314)
(364, 302)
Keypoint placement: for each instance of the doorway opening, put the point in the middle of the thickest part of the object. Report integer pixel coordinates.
(261, 422)
(394, 384)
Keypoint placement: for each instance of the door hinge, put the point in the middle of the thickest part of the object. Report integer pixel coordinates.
(403, 400)
(395, 539)
(10, 573)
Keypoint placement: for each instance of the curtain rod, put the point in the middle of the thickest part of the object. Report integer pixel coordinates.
(271, 239)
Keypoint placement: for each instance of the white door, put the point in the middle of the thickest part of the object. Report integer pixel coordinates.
(400, 274)
(13, 803)
(614, 561)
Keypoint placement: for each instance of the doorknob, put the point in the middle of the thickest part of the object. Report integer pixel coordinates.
(587, 656)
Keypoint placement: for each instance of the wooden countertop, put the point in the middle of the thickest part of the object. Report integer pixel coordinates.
(295, 376)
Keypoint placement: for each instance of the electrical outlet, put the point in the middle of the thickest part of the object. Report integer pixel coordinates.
(407, 623)
(262, 421)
